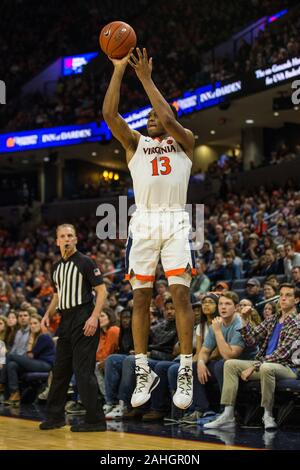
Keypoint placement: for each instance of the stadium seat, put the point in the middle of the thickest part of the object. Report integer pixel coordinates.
(31, 383)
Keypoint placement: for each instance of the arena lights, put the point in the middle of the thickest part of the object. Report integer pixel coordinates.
(110, 175)
(278, 15)
(73, 65)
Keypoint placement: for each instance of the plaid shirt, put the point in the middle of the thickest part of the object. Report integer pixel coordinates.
(288, 343)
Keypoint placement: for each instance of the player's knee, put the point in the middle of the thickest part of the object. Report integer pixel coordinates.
(142, 297)
(180, 294)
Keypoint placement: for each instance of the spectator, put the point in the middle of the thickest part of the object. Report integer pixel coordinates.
(3, 327)
(108, 344)
(253, 292)
(11, 330)
(291, 259)
(245, 305)
(38, 358)
(278, 339)
(296, 276)
(269, 310)
(200, 283)
(232, 270)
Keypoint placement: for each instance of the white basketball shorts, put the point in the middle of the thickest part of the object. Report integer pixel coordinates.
(155, 234)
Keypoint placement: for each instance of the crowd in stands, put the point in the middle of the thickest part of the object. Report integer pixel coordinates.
(252, 246)
(183, 33)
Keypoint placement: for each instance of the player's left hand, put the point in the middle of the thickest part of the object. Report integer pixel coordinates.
(141, 64)
(90, 326)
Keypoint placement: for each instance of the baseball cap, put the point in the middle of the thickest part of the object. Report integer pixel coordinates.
(253, 281)
(212, 296)
(223, 285)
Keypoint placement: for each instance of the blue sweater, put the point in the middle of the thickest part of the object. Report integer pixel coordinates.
(44, 349)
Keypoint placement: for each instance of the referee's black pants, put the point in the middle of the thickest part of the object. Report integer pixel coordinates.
(75, 353)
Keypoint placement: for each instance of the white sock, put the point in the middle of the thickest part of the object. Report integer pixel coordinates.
(268, 413)
(228, 412)
(141, 360)
(186, 360)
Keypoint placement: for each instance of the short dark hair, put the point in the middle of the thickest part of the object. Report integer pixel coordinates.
(168, 301)
(290, 286)
(231, 296)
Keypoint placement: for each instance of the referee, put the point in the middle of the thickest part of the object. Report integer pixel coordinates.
(74, 278)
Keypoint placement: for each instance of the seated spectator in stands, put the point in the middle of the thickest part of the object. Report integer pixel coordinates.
(200, 283)
(245, 305)
(270, 309)
(253, 292)
(108, 344)
(19, 346)
(296, 276)
(232, 270)
(125, 293)
(271, 266)
(291, 259)
(273, 280)
(3, 327)
(209, 306)
(162, 340)
(269, 291)
(253, 251)
(11, 330)
(114, 305)
(278, 339)
(38, 305)
(280, 255)
(207, 252)
(222, 334)
(261, 226)
(217, 269)
(220, 287)
(156, 315)
(161, 289)
(39, 357)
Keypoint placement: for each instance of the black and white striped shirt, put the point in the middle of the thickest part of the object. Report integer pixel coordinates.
(74, 279)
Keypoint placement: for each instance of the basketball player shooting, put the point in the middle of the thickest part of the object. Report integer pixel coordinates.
(160, 167)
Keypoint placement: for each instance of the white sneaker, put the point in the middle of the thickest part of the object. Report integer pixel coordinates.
(146, 381)
(183, 397)
(107, 408)
(269, 422)
(221, 422)
(117, 412)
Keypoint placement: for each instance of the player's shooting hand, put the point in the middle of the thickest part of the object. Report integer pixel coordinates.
(90, 326)
(141, 64)
(121, 63)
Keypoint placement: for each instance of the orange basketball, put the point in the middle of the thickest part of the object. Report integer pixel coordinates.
(116, 39)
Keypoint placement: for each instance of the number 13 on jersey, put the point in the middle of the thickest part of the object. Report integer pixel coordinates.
(161, 166)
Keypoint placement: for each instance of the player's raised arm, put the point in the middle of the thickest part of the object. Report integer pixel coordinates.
(118, 126)
(143, 69)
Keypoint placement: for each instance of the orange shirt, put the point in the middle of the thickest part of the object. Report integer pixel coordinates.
(108, 343)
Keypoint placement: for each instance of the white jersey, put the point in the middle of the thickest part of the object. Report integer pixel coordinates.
(160, 171)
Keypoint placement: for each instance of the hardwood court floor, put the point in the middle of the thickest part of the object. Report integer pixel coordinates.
(23, 434)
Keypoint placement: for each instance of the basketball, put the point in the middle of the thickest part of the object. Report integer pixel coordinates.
(116, 39)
